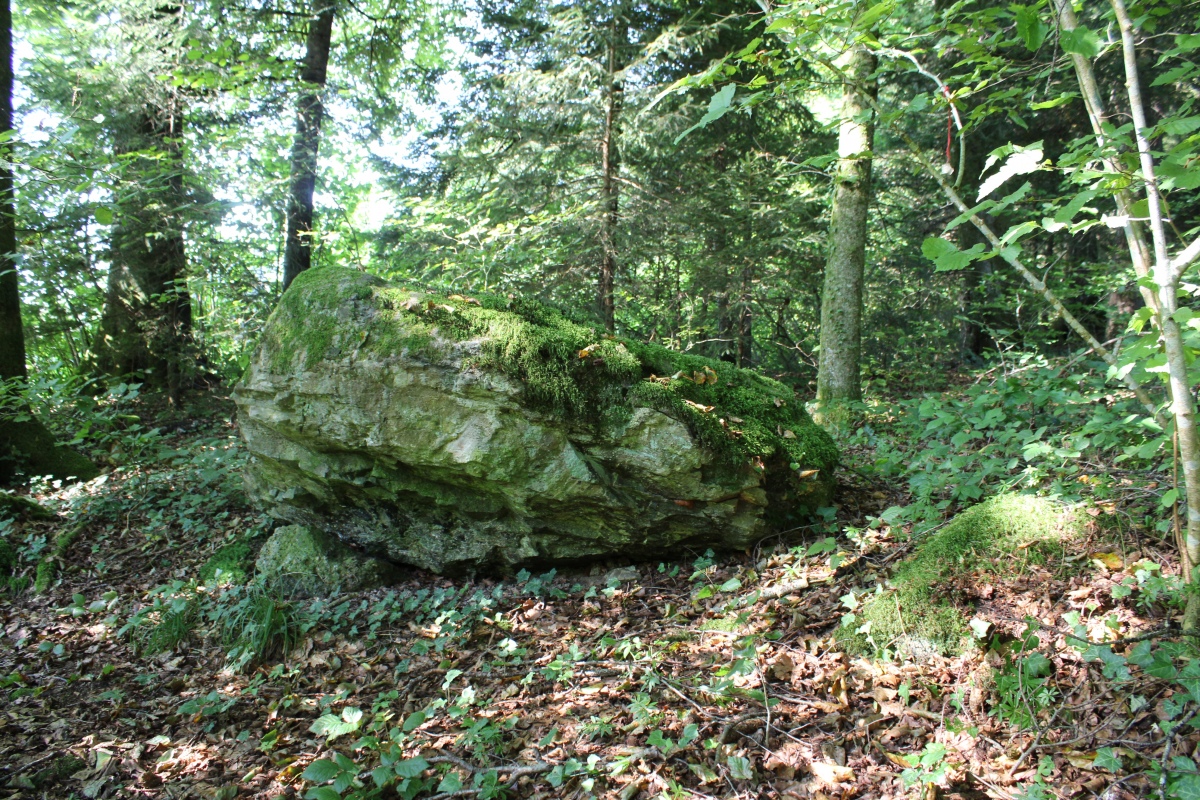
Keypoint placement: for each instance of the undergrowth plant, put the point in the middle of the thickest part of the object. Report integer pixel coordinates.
(1026, 424)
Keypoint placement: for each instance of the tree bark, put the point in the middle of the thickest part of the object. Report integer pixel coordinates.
(610, 193)
(838, 375)
(12, 334)
(147, 322)
(25, 444)
(297, 254)
(1135, 236)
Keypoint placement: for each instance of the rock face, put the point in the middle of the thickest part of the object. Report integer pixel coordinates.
(305, 562)
(457, 434)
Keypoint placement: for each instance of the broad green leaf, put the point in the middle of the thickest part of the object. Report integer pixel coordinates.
(946, 257)
(1106, 758)
(410, 767)
(1065, 97)
(321, 770)
(1023, 160)
(717, 107)
(873, 14)
(1036, 665)
(103, 215)
(322, 793)
(1030, 27)
(1068, 212)
(1188, 41)
(450, 783)
(1081, 41)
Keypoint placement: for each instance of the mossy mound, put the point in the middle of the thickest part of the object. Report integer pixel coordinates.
(232, 560)
(918, 613)
(303, 562)
(15, 505)
(564, 367)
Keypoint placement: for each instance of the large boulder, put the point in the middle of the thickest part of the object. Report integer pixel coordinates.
(457, 434)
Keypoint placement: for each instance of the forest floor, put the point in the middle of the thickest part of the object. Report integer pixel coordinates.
(710, 676)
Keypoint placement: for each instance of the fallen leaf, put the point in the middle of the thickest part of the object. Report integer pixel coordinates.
(1110, 561)
(783, 667)
(832, 773)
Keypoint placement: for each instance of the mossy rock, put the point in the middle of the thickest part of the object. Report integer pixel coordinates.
(489, 433)
(302, 562)
(17, 506)
(27, 447)
(918, 614)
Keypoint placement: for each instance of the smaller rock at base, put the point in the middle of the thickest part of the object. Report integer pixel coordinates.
(303, 562)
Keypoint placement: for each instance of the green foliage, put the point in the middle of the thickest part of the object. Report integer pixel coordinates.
(1029, 424)
(168, 620)
(256, 626)
(1024, 686)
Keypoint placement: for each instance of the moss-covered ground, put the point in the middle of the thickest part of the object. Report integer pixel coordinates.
(919, 611)
(565, 366)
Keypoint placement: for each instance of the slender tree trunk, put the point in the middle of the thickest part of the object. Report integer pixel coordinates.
(297, 254)
(1135, 234)
(1166, 275)
(838, 377)
(610, 167)
(745, 338)
(12, 334)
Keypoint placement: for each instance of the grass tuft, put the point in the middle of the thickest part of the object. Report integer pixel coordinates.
(257, 627)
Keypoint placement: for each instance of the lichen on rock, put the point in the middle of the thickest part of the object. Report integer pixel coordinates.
(461, 433)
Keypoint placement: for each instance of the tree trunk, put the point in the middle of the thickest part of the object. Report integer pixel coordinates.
(610, 192)
(25, 444)
(297, 254)
(1167, 276)
(745, 338)
(838, 378)
(12, 334)
(147, 322)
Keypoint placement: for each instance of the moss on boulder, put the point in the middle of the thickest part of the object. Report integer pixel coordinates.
(455, 433)
(299, 561)
(917, 613)
(27, 447)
